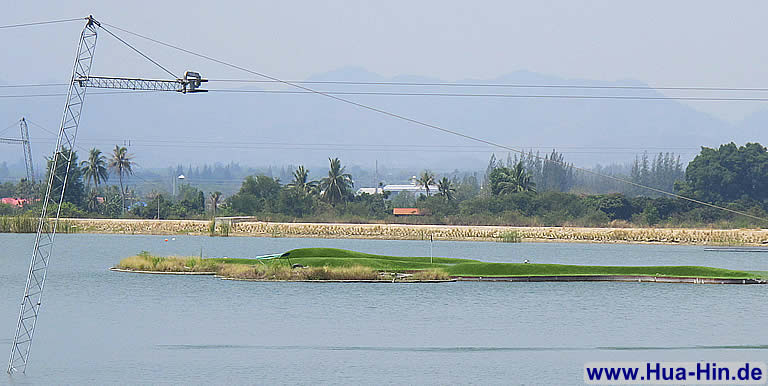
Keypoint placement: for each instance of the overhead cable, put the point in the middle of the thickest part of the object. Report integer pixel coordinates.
(432, 126)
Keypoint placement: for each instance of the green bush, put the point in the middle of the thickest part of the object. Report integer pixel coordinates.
(509, 237)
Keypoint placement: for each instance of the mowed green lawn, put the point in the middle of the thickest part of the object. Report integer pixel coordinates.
(331, 257)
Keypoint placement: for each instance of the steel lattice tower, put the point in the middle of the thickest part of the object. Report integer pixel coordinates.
(57, 180)
(24, 141)
(59, 172)
(27, 150)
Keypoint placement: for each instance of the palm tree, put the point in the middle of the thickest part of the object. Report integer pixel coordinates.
(121, 164)
(425, 180)
(215, 197)
(95, 168)
(506, 183)
(92, 203)
(513, 180)
(523, 179)
(445, 188)
(335, 188)
(300, 177)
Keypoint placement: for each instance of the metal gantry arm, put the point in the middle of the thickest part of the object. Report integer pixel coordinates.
(56, 180)
(190, 83)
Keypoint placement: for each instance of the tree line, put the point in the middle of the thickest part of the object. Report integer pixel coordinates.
(521, 190)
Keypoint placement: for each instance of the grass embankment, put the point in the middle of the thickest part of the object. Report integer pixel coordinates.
(332, 257)
(467, 267)
(338, 264)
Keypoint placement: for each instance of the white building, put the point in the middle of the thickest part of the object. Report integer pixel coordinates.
(413, 187)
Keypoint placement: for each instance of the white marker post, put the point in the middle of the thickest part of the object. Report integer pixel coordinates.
(430, 249)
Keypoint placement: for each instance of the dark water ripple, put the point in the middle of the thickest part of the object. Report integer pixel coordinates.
(452, 349)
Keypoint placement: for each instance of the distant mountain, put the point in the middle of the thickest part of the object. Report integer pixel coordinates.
(263, 129)
(752, 128)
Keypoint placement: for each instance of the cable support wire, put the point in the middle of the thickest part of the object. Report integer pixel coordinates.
(499, 85)
(434, 94)
(365, 146)
(379, 93)
(32, 85)
(429, 125)
(269, 141)
(89, 94)
(368, 146)
(12, 125)
(345, 149)
(489, 85)
(521, 96)
(41, 23)
(84, 149)
(159, 181)
(139, 52)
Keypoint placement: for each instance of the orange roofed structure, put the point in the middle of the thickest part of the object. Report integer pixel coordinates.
(408, 212)
(20, 202)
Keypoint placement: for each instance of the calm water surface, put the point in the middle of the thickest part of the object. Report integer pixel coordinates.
(102, 327)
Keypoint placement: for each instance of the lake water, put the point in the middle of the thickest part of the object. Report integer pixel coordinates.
(103, 327)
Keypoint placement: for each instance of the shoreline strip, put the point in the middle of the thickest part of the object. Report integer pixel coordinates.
(380, 231)
(564, 278)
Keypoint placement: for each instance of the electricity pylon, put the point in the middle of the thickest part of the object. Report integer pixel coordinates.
(59, 172)
(24, 141)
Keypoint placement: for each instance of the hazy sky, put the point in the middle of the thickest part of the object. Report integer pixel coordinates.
(689, 43)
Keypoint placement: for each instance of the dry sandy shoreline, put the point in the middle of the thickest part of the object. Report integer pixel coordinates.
(749, 237)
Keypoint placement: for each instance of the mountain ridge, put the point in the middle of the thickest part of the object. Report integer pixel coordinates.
(261, 129)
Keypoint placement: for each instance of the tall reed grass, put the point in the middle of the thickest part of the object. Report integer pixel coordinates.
(221, 229)
(18, 224)
(430, 274)
(271, 271)
(27, 224)
(417, 232)
(509, 237)
(282, 272)
(146, 262)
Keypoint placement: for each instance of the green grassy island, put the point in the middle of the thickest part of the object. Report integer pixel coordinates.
(329, 264)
